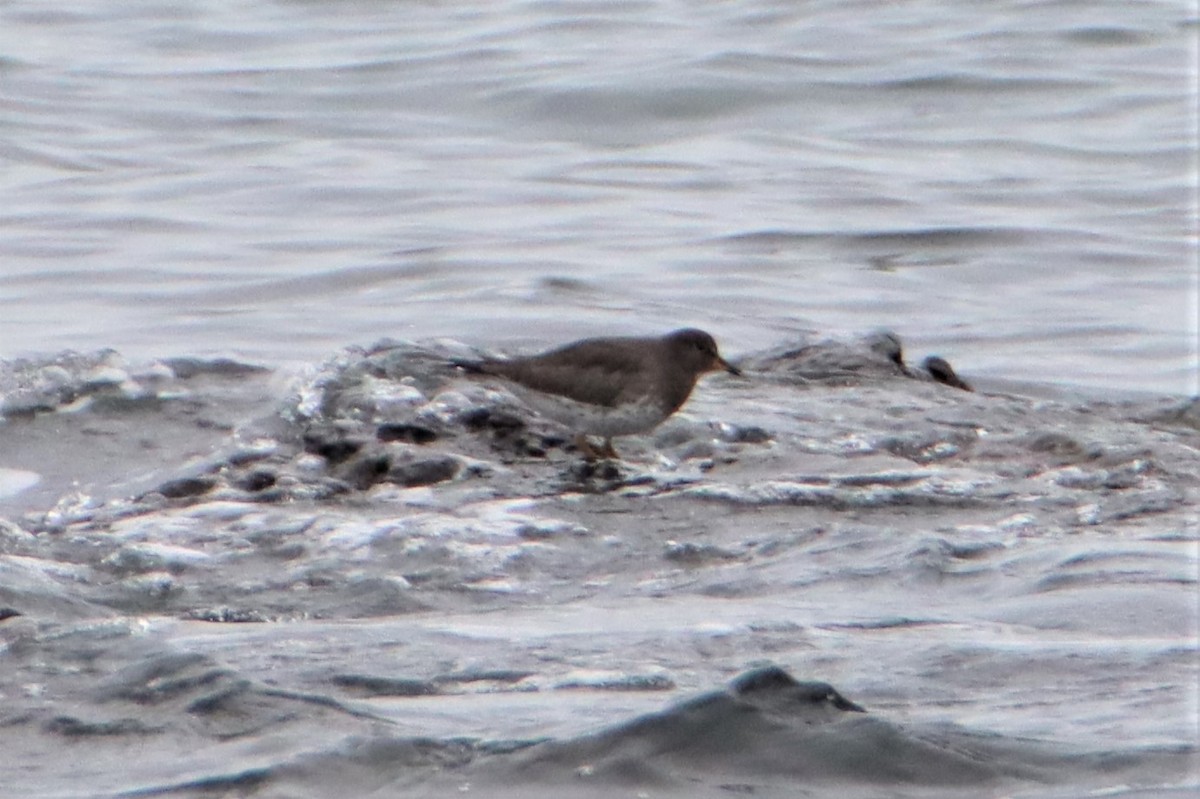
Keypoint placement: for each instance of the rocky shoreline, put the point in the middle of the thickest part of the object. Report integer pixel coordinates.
(328, 557)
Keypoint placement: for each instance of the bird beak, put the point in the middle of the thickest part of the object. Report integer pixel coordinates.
(728, 367)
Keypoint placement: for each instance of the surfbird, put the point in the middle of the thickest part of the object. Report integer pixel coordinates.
(610, 387)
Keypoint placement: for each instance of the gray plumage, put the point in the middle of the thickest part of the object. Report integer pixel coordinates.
(612, 386)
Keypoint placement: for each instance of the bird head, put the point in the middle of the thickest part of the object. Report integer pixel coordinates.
(698, 351)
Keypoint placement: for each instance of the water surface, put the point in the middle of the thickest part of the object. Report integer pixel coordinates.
(1012, 185)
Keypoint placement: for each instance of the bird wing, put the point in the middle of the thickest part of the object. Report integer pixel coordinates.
(587, 371)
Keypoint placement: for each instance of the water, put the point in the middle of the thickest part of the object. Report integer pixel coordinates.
(387, 578)
(244, 551)
(1012, 184)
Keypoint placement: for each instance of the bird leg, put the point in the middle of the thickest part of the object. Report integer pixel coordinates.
(591, 453)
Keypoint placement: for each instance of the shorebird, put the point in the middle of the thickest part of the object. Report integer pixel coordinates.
(610, 387)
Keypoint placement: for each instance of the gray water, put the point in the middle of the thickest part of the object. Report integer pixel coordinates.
(389, 579)
(258, 539)
(1010, 184)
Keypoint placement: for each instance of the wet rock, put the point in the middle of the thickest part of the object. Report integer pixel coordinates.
(879, 354)
(509, 433)
(926, 493)
(30, 387)
(256, 480)
(586, 473)
(543, 530)
(365, 470)
(617, 682)
(887, 344)
(150, 591)
(377, 596)
(766, 678)
(1114, 479)
(134, 560)
(226, 616)
(14, 539)
(942, 372)
(501, 423)
(187, 368)
(1063, 447)
(274, 495)
(245, 457)
(876, 355)
(115, 403)
(1130, 505)
(73, 727)
(775, 685)
(532, 449)
(929, 446)
(743, 434)
(698, 450)
(332, 445)
(25, 404)
(370, 685)
(502, 676)
(553, 441)
(280, 544)
(161, 678)
(939, 558)
(411, 433)
(224, 700)
(692, 554)
(1177, 414)
(184, 487)
(423, 472)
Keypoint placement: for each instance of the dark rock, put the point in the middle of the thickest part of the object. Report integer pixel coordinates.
(384, 686)
(187, 487)
(593, 477)
(767, 678)
(334, 449)
(779, 685)
(424, 472)
(219, 700)
(226, 616)
(187, 368)
(1057, 443)
(942, 372)
(162, 677)
(1062, 447)
(74, 727)
(485, 675)
(243, 457)
(499, 422)
(412, 433)
(366, 470)
(887, 344)
(255, 481)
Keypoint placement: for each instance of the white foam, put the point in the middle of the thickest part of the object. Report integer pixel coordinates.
(14, 481)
